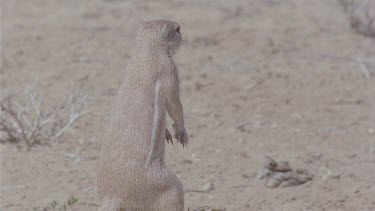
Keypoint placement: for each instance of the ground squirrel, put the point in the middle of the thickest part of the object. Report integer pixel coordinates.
(132, 174)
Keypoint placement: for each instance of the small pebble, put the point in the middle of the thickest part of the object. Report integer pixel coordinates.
(208, 187)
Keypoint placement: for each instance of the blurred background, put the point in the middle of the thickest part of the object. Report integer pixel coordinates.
(289, 79)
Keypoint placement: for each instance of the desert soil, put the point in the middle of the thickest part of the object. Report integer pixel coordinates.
(278, 78)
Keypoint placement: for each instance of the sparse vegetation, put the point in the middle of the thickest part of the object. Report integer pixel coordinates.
(56, 206)
(207, 208)
(33, 122)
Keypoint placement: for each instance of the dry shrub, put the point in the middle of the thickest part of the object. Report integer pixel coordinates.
(30, 121)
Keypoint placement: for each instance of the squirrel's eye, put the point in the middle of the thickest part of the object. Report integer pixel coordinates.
(178, 30)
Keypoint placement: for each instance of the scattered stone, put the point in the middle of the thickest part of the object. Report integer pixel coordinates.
(188, 161)
(280, 174)
(327, 173)
(81, 141)
(208, 187)
(246, 176)
(353, 155)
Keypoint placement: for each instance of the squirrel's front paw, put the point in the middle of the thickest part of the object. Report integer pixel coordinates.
(168, 136)
(180, 134)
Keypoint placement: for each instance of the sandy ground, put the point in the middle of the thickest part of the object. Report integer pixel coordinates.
(273, 77)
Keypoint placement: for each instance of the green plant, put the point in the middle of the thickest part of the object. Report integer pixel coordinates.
(56, 206)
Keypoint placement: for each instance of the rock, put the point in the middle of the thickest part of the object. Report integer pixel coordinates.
(208, 187)
(327, 173)
(280, 174)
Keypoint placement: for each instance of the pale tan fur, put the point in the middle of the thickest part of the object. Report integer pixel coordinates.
(132, 175)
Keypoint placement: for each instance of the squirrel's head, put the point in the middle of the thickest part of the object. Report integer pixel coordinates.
(159, 34)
